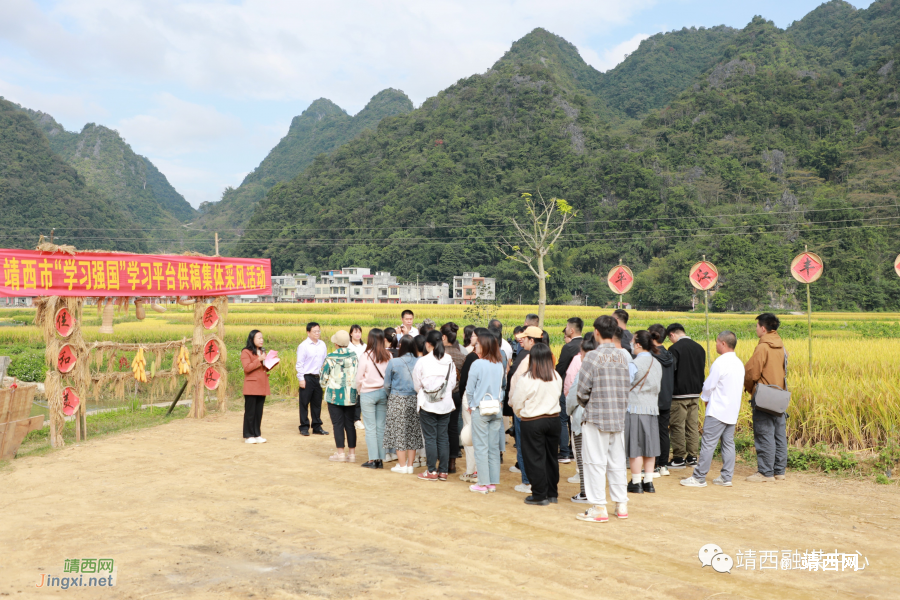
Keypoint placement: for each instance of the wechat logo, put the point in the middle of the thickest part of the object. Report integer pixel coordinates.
(711, 555)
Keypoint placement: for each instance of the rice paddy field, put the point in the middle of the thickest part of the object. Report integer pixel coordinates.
(846, 397)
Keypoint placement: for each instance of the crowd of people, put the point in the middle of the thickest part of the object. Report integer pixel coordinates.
(613, 401)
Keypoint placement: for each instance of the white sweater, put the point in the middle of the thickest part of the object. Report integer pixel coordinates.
(430, 372)
(536, 398)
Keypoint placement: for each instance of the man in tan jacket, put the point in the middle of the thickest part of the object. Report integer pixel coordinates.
(767, 366)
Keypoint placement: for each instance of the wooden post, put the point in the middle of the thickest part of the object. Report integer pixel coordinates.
(217, 243)
(706, 308)
(620, 295)
(809, 319)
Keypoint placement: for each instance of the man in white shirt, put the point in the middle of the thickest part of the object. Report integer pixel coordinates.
(311, 355)
(406, 327)
(722, 395)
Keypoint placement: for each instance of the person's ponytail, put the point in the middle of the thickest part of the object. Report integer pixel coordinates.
(436, 340)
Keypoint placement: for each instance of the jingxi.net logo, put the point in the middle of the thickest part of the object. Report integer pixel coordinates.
(82, 572)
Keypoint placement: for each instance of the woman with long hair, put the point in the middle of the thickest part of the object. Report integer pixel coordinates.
(370, 384)
(469, 338)
(402, 429)
(256, 386)
(483, 384)
(536, 403)
(359, 349)
(448, 336)
(338, 383)
(356, 343)
(666, 388)
(641, 416)
(433, 378)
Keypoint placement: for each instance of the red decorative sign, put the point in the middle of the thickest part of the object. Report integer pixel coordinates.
(211, 378)
(897, 264)
(66, 360)
(32, 273)
(806, 267)
(70, 401)
(210, 317)
(704, 275)
(620, 279)
(211, 351)
(64, 322)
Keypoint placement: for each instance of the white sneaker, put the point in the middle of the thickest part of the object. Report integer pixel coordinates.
(359, 425)
(409, 470)
(719, 481)
(251, 441)
(390, 457)
(691, 482)
(260, 440)
(523, 488)
(576, 478)
(664, 471)
(398, 469)
(515, 469)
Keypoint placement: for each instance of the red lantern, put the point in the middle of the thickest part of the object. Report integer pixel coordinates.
(66, 360)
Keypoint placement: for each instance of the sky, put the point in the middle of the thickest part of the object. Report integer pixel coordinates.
(205, 88)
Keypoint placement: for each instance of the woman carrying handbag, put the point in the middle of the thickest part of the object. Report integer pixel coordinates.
(483, 397)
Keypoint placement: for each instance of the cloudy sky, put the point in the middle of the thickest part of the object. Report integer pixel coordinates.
(205, 88)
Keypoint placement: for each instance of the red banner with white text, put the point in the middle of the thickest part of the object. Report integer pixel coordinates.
(95, 274)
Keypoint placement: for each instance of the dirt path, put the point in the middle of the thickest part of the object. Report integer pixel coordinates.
(188, 511)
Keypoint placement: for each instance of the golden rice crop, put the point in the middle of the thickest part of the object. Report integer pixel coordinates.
(851, 399)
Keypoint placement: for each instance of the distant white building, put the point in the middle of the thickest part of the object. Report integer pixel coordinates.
(471, 286)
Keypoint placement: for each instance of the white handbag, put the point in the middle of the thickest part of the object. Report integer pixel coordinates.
(489, 406)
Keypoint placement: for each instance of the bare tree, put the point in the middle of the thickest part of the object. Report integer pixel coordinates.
(534, 238)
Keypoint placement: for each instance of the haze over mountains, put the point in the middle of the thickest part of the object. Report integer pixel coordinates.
(741, 144)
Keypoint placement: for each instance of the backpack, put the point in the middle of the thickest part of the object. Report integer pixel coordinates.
(434, 387)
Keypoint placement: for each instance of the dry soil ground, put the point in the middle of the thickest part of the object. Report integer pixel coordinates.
(188, 511)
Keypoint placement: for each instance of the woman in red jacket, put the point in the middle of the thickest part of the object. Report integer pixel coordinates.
(256, 387)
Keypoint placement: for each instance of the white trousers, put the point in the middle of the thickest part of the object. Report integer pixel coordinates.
(603, 456)
(469, 450)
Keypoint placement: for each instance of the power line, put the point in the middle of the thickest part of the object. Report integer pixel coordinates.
(656, 234)
(455, 225)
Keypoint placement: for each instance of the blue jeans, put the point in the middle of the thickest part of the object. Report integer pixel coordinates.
(486, 441)
(518, 425)
(564, 450)
(374, 414)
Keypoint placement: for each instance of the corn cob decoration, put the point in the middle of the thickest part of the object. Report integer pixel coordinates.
(138, 366)
(184, 361)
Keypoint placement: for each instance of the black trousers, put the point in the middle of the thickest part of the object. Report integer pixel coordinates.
(664, 444)
(253, 410)
(453, 426)
(540, 443)
(311, 404)
(343, 419)
(437, 448)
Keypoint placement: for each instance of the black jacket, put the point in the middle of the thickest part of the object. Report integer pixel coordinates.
(520, 356)
(690, 367)
(667, 385)
(568, 352)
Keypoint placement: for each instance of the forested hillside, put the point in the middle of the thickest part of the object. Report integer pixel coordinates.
(40, 191)
(126, 179)
(322, 127)
(788, 138)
